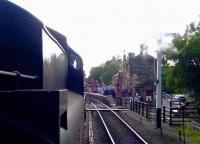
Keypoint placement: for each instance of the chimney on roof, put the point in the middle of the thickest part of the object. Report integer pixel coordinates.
(143, 49)
(124, 57)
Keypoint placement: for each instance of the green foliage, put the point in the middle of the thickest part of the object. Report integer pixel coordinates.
(190, 133)
(96, 73)
(167, 80)
(184, 75)
(105, 71)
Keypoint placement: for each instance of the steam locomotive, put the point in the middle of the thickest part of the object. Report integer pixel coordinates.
(41, 82)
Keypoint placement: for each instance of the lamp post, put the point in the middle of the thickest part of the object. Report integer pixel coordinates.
(159, 80)
(183, 106)
(158, 85)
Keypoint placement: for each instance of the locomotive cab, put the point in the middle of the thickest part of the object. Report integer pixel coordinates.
(41, 94)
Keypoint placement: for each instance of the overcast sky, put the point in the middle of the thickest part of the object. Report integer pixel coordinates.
(100, 29)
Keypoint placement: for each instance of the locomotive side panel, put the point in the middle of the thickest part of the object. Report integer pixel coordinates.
(55, 63)
(75, 106)
(28, 47)
(21, 46)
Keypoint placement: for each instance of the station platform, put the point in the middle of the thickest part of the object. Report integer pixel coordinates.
(147, 129)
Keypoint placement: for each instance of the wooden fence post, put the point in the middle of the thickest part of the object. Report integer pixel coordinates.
(136, 106)
(139, 107)
(142, 108)
(170, 116)
(164, 114)
(170, 103)
(147, 111)
(133, 105)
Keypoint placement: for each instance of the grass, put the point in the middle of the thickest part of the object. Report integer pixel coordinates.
(190, 133)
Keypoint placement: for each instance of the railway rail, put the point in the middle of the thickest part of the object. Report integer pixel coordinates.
(117, 131)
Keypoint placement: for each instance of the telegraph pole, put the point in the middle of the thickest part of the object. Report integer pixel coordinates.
(158, 85)
(159, 80)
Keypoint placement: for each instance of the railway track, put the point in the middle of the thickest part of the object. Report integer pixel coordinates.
(111, 127)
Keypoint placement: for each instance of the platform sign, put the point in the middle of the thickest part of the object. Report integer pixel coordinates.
(149, 95)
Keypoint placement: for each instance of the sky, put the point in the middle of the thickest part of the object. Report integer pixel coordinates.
(100, 29)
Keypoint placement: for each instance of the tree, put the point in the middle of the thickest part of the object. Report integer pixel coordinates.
(110, 69)
(96, 73)
(184, 75)
(105, 71)
(167, 79)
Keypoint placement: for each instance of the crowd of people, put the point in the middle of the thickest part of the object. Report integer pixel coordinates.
(91, 85)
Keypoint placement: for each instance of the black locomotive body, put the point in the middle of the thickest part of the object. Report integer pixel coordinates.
(41, 81)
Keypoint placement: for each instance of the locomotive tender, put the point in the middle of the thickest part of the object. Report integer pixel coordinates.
(41, 82)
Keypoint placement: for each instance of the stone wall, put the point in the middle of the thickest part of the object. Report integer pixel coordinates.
(138, 73)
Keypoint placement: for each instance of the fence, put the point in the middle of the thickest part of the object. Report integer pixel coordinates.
(171, 114)
(175, 114)
(144, 108)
